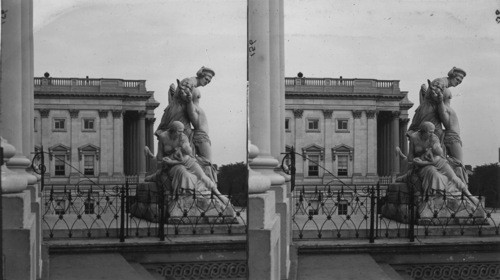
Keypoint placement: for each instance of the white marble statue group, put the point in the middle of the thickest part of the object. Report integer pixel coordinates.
(184, 148)
(435, 150)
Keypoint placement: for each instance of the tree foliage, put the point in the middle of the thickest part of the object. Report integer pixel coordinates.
(485, 182)
(233, 181)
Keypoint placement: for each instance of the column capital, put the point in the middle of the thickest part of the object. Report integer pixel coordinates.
(142, 114)
(356, 114)
(395, 114)
(298, 113)
(117, 114)
(371, 114)
(44, 113)
(74, 113)
(152, 120)
(327, 114)
(103, 114)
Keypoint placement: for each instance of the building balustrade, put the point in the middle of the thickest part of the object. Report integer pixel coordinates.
(340, 83)
(75, 83)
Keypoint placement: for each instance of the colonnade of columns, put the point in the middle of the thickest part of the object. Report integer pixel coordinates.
(392, 133)
(135, 130)
(269, 229)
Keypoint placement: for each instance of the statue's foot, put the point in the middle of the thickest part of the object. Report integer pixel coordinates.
(474, 200)
(224, 199)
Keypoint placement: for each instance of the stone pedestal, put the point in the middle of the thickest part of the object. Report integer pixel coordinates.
(433, 209)
(283, 208)
(264, 237)
(20, 247)
(182, 208)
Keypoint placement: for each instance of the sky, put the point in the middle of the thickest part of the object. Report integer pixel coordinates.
(410, 41)
(158, 41)
(162, 40)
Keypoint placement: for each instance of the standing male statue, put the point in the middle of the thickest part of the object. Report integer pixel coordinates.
(184, 107)
(428, 110)
(435, 108)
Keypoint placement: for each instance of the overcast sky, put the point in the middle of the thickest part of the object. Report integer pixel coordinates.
(160, 41)
(157, 41)
(410, 41)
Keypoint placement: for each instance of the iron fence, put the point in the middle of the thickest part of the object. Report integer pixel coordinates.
(121, 211)
(376, 212)
(389, 210)
(132, 209)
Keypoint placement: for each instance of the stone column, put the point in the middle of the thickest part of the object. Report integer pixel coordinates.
(264, 224)
(371, 155)
(395, 143)
(105, 145)
(277, 108)
(118, 143)
(44, 126)
(328, 140)
(74, 128)
(150, 163)
(358, 136)
(141, 143)
(403, 142)
(282, 71)
(21, 227)
(386, 134)
(11, 105)
(297, 140)
(276, 111)
(27, 76)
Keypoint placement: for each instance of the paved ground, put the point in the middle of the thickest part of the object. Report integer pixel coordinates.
(92, 266)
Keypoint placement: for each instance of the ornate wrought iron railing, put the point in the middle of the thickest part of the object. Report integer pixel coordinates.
(393, 210)
(129, 209)
(113, 210)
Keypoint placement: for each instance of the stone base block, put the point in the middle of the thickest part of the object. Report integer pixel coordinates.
(185, 208)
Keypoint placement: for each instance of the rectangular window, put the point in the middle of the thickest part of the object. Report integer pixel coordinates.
(60, 206)
(312, 168)
(342, 165)
(59, 166)
(88, 164)
(89, 206)
(287, 124)
(313, 124)
(342, 125)
(342, 207)
(59, 124)
(88, 124)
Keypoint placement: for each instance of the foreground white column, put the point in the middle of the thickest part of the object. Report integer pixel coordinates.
(264, 224)
(21, 221)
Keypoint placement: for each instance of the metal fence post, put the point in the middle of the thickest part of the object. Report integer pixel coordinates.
(1, 219)
(161, 209)
(292, 168)
(372, 215)
(378, 209)
(411, 202)
(122, 213)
